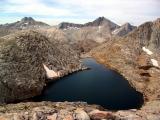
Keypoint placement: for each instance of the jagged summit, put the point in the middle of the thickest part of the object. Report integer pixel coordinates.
(101, 21)
(127, 24)
(25, 19)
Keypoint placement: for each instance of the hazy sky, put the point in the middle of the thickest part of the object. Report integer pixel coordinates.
(80, 11)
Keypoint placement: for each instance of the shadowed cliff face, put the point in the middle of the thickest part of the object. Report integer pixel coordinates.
(22, 74)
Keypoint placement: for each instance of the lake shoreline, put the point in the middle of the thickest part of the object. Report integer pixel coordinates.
(65, 78)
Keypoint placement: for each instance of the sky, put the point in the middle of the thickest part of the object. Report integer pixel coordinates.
(80, 11)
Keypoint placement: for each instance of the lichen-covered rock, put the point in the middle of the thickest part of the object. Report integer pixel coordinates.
(22, 74)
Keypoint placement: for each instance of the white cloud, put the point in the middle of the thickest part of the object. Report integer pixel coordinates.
(34, 7)
(135, 11)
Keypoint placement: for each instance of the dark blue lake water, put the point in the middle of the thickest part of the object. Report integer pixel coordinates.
(98, 85)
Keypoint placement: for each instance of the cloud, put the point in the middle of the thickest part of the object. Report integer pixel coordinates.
(120, 11)
(33, 7)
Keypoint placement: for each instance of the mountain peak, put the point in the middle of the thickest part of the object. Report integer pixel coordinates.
(27, 19)
(102, 21)
(101, 18)
(127, 25)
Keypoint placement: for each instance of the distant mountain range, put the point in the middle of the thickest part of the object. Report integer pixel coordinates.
(107, 27)
(26, 22)
(101, 22)
(23, 24)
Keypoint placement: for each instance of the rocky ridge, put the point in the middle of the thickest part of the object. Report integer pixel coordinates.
(101, 21)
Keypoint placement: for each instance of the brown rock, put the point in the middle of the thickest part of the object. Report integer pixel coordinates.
(99, 115)
(68, 117)
(52, 117)
(80, 114)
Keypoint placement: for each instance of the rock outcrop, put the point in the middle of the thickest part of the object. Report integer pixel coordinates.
(22, 74)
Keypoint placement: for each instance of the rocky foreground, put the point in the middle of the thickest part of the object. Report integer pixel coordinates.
(75, 111)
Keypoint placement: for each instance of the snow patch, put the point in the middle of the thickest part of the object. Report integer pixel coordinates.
(115, 31)
(73, 28)
(51, 73)
(99, 28)
(26, 23)
(147, 51)
(154, 62)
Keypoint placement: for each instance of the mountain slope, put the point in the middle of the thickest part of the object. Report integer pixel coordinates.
(127, 55)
